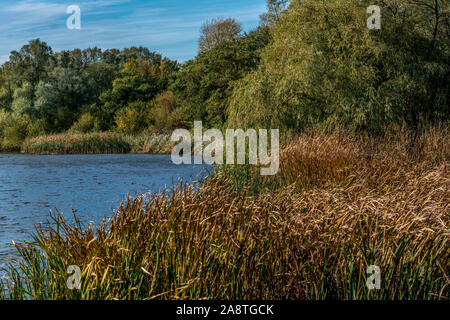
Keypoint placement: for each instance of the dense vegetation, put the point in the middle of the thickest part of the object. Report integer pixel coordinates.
(78, 91)
(325, 66)
(99, 142)
(314, 63)
(340, 205)
(127, 91)
(364, 170)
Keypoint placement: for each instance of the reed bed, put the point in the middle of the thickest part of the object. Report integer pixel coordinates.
(340, 204)
(98, 143)
(153, 143)
(89, 143)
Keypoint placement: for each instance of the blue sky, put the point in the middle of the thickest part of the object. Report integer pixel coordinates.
(170, 27)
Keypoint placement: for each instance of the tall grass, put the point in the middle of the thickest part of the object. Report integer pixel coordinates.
(340, 204)
(97, 143)
(89, 143)
(154, 143)
(100, 142)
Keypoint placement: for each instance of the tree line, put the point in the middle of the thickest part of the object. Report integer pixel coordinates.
(307, 63)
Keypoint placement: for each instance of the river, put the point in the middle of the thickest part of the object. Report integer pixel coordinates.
(92, 185)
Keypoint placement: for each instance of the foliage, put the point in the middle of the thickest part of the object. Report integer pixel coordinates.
(13, 131)
(80, 89)
(204, 84)
(132, 119)
(274, 10)
(344, 198)
(325, 66)
(87, 123)
(216, 32)
(310, 62)
(385, 206)
(153, 143)
(166, 114)
(91, 143)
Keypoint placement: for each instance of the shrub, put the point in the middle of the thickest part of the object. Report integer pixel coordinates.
(13, 131)
(132, 119)
(87, 123)
(311, 237)
(166, 114)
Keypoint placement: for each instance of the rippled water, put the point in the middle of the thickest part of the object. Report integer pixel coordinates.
(93, 185)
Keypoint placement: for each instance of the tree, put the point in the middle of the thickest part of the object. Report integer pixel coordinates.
(166, 114)
(31, 64)
(132, 119)
(53, 90)
(6, 86)
(59, 99)
(331, 69)
(99, 77)
(217, 31)
(274, 10)
(13, 130)
(86, 123)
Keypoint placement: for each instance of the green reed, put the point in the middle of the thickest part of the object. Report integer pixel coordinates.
(309, 233)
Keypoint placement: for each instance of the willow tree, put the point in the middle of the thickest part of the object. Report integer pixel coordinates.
(326, 66)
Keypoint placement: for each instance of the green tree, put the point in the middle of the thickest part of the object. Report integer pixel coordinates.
(132, 119)
(217, 31)
(166, 114)
(325, 66)
(6, 86)
(13, 130)
(31, 64)
(59, 100)
(274, 10)
(203, 85)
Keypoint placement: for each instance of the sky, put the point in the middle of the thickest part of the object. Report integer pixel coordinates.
(169, 27)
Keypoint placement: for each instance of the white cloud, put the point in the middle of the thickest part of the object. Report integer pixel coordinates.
(166, 26)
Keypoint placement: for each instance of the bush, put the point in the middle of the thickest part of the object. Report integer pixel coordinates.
(14, 130)
(87, 123)
(358, 206)
(132, 119)
(166, 115)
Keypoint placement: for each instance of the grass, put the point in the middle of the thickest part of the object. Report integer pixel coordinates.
(153, 143)
(98, 143)
(340, 204)
(90, 143)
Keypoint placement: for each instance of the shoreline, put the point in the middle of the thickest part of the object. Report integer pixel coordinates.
(97, 143)
(80, 154)
(388, 212)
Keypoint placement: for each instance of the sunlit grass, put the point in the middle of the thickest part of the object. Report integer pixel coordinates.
(89, 143)
(340, 204)
(98, 143)
(153, 143)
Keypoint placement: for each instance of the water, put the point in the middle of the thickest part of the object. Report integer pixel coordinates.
(93, 185)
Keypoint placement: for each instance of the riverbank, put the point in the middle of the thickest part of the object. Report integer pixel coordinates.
(31, 185)
(98, 143)
(340, 204)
